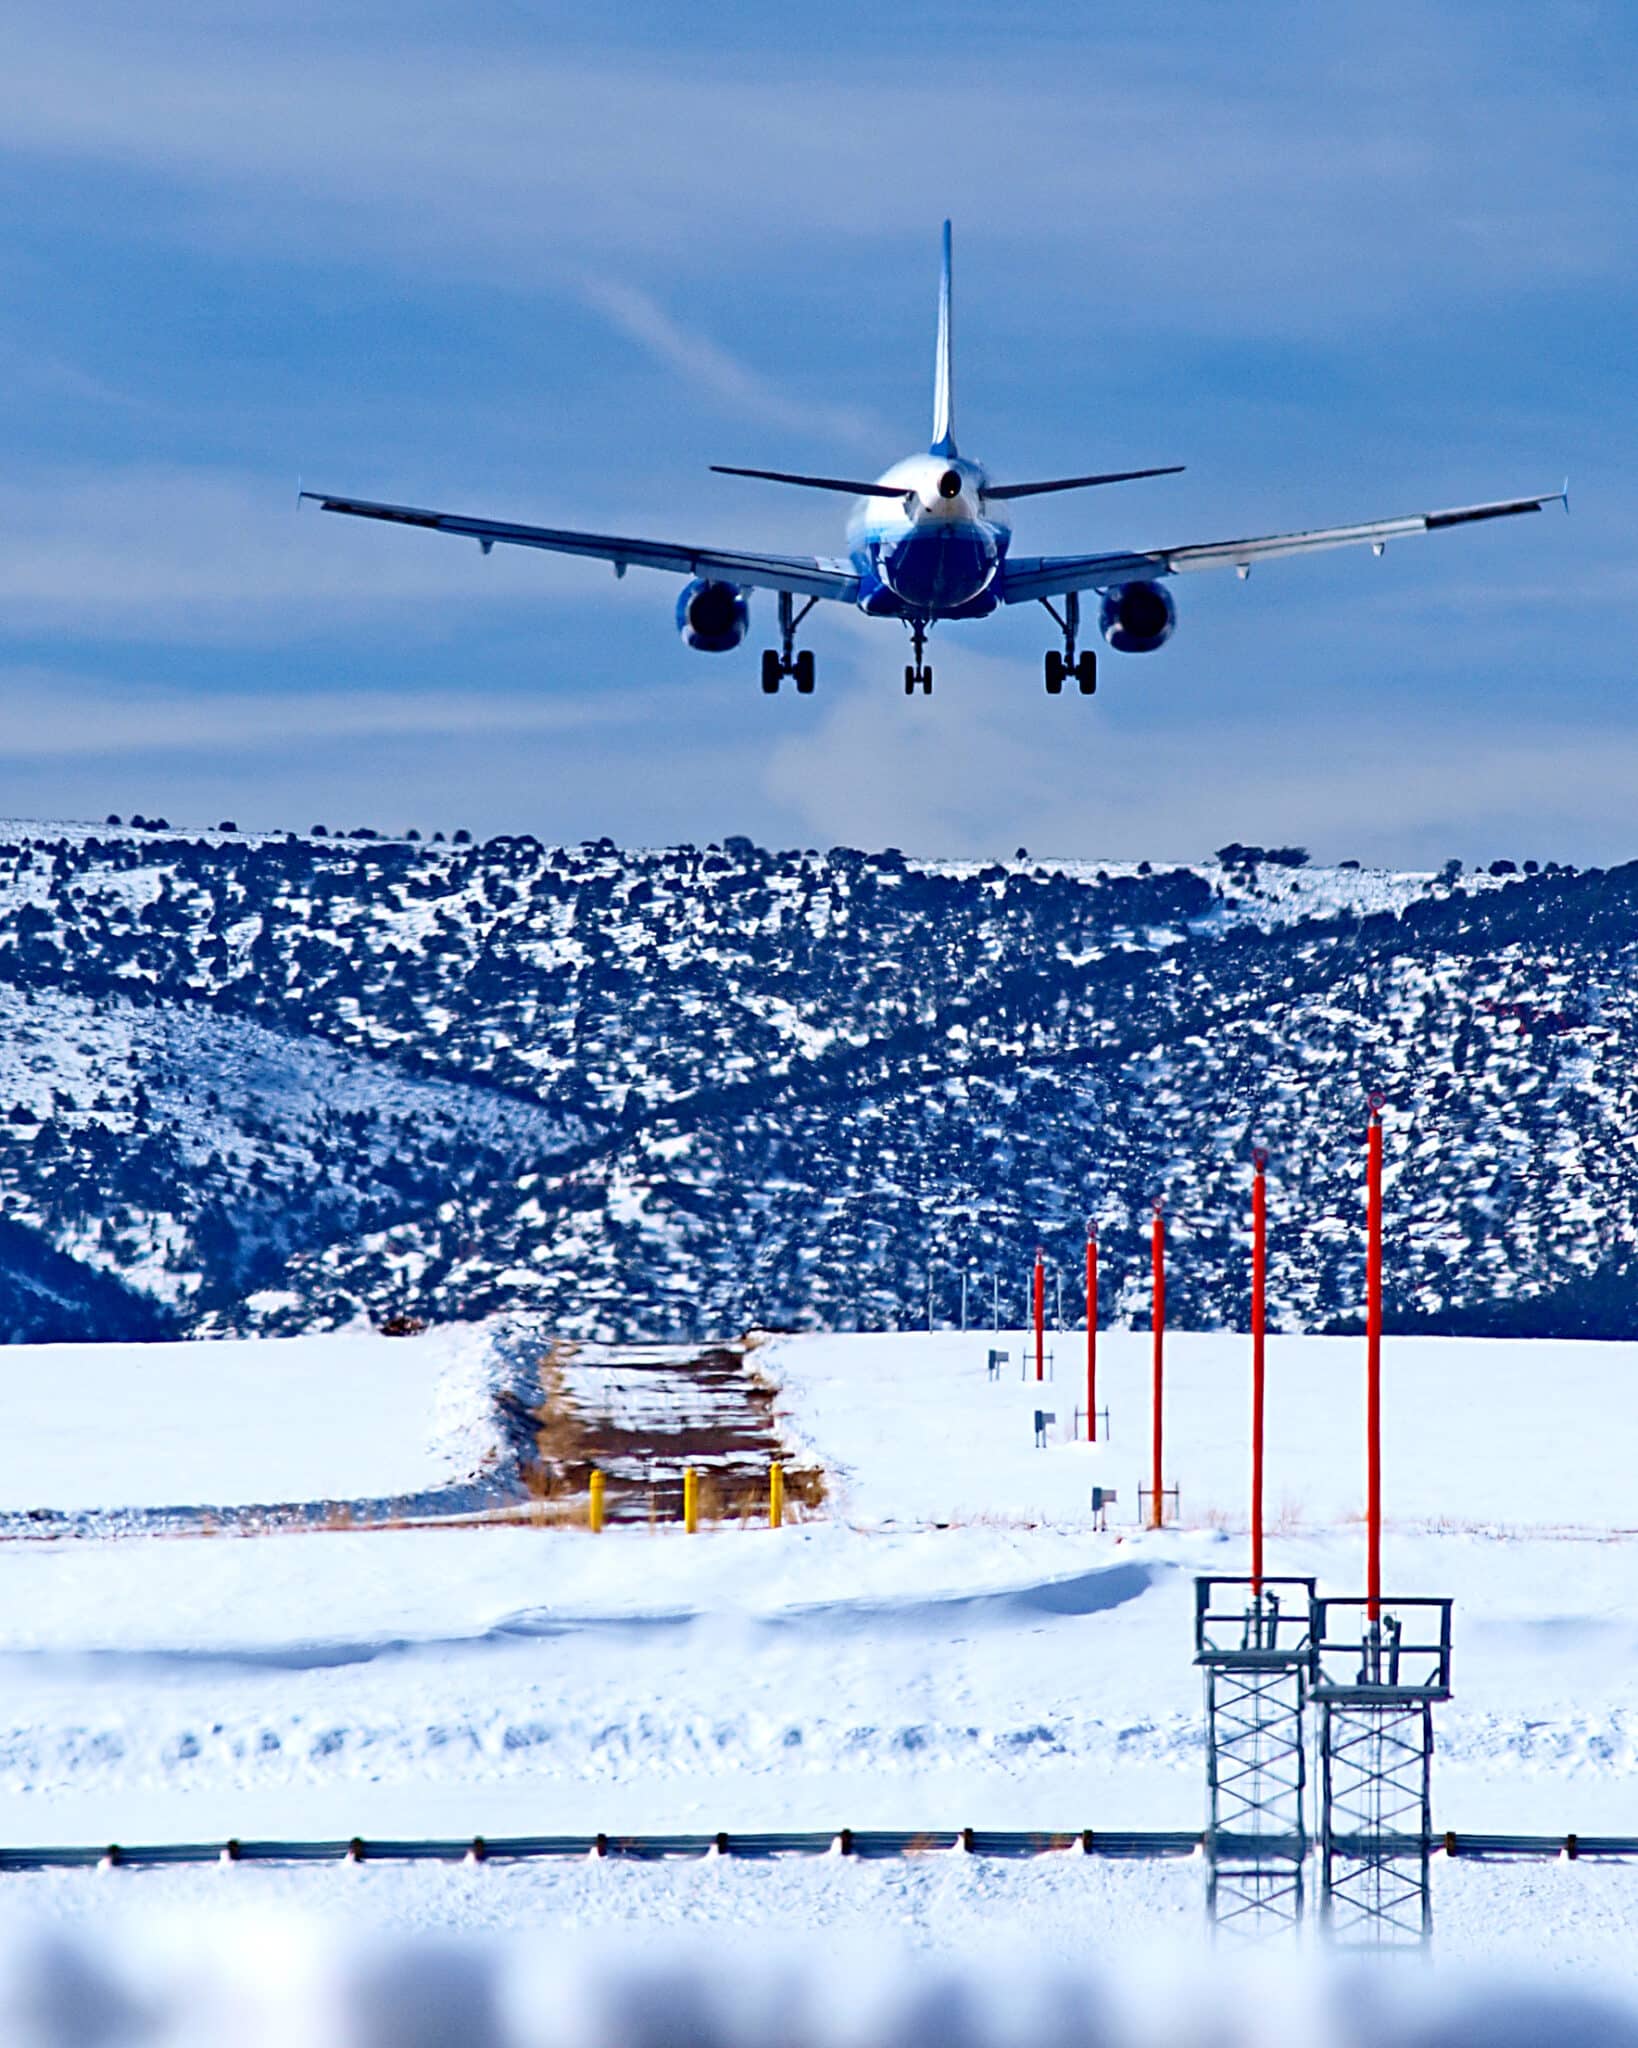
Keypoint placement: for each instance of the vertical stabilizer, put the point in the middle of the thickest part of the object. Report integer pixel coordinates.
(943, 370)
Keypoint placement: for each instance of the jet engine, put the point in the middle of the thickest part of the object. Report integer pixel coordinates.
(1137, 618)
(713, 617)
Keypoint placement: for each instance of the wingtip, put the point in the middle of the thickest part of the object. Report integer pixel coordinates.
(1564, 497)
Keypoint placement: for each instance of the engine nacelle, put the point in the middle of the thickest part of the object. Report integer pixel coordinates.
(713, 617)
(1137, 618)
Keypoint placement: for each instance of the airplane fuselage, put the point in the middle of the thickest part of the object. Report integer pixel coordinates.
(937, 553)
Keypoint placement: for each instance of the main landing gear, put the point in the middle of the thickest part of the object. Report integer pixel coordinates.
(1085, 668)
(783, 660)
(916, 671)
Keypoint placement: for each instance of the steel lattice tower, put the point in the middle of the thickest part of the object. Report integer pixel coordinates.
(1376, 1682)
(1254, 1642)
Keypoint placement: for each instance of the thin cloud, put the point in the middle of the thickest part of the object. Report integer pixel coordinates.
(503, 160)
(160, 553)
(710, 367)
(50, 716)
(993, 764)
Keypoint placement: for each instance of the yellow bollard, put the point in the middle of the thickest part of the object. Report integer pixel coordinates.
(691, 1500)
(776, 1496)
(597, 1503)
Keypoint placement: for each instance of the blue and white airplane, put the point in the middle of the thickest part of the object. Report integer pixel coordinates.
(929, 540)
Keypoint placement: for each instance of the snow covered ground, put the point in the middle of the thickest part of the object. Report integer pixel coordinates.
(1474, 1431)
(252, 1421)
(266, 1981)
(950, 1644)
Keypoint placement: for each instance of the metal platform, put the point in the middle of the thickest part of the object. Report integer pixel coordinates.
(1254, 1643)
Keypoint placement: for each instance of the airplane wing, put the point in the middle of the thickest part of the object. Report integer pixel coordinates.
(802, 575)
(1034, 576)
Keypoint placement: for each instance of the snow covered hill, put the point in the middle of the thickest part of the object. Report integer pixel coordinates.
(274, 1083)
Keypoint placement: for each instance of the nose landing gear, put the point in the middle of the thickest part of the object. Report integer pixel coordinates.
(783, 660)
(916, 671)
(1059, 666)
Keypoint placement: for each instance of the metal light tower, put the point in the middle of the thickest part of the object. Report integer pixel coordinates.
(1254, 1640)
(1259, 1311)
(1038, 1296)
(1157, 1417)
(1380, 1667)
(1091, 1334)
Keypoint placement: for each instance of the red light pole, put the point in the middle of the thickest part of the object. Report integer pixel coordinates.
(1040, 1316)
(1091, 1335)
(1259, 1304)
(1157, 1499)
(1373, 1362)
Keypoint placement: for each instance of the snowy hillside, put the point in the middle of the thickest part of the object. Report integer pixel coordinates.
(274, 1083)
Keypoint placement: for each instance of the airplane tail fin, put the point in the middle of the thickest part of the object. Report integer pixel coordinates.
(943, 369)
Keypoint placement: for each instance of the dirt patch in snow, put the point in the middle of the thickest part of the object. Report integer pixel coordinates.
(642, 1413)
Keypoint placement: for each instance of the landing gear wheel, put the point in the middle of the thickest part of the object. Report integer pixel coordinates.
(1054, 672)
(917, 673)
(783, 660)
(1086, 673)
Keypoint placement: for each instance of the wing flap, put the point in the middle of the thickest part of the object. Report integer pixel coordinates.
(1038, 576)
(802, 575)
(1027, 577)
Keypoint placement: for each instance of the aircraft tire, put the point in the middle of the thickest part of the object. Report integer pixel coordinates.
(1086, 673)
(1054, 672)
(804, 672)
(770, 672)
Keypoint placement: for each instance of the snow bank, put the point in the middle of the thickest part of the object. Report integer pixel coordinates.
(245, 1421)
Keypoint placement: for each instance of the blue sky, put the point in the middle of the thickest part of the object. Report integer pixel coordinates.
(1342, 262)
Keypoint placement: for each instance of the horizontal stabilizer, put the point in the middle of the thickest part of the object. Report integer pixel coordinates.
(1077, 483)
(813, 483)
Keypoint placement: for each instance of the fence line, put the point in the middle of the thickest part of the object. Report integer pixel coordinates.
(866, 1843)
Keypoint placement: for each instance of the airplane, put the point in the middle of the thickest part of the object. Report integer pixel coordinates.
(928, 541)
